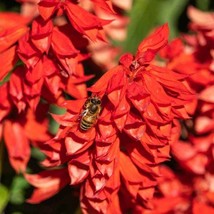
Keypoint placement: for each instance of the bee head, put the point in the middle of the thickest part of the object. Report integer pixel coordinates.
(95, 100)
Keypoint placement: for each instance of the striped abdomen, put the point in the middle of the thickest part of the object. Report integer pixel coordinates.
(87, 122)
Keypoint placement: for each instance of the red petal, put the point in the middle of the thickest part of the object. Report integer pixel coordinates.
(204, 124)
(200, 18)
(36, 130)
(78, 168)
(152, 44)
(10, 19)
(61, 43)
(134, 127)
(10, 36)
(27, 52)
(102, 83)
(17, 145)
(106, 5)
(84, 22)
(5, 104)
(41, 34)
(48, 183)
(207, 94)
(8, 59)
(129, 170)
(47, 8)
(200, 207)
(183, 151)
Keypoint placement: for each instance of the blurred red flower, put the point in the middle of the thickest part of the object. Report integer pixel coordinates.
(182, 192)
(20, 131)
(104, 53)
(122, 152)
(12, 28)
(194, 155)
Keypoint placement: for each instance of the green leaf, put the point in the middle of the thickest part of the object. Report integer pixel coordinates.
(147, 14)
(203, 4)
(4, 193)
(36, 153)
(18, 189)
(6, 79)
(53, 125)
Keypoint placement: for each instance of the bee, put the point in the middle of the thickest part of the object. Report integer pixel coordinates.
(92, 108)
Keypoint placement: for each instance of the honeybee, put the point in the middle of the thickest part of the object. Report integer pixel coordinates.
(92, 108)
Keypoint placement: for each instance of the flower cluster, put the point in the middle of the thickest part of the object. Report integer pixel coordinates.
(115, 134)
(192, 175)
(118, 158)
(41, 55)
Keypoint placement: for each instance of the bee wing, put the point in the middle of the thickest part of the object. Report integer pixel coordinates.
(83, 113)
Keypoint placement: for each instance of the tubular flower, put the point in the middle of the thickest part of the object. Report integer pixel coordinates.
(54, 48)
(20, 131)
(104, 54)
(173, 194)
(122, 150)
(182, 193)
(12, 28)
(47, 183)
(5, 104)
(194, 153)
(196, 58)
(46, 73)
(84, 22)
(51, 53)
(203, 24)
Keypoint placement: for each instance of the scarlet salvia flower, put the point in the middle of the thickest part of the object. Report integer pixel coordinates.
(182, 192)
(194, 153)
(5, 104)
(48, 183)
(10, 33)
(83, 22)
(20, 131)
(104, 54)
(51, 52)
(123, 150)
(21, 127)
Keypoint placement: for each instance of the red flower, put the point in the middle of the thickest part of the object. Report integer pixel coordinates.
(17, 145)
(173, 195)
(202, 23)
(104, 54)
(20, 131)
(204, 122)
(139, 103)
(53, 54)
(49, 73)
(194, 154)
(47, 183)
(12, 28)
(83, 22)
(182, 192)
(5, 104)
